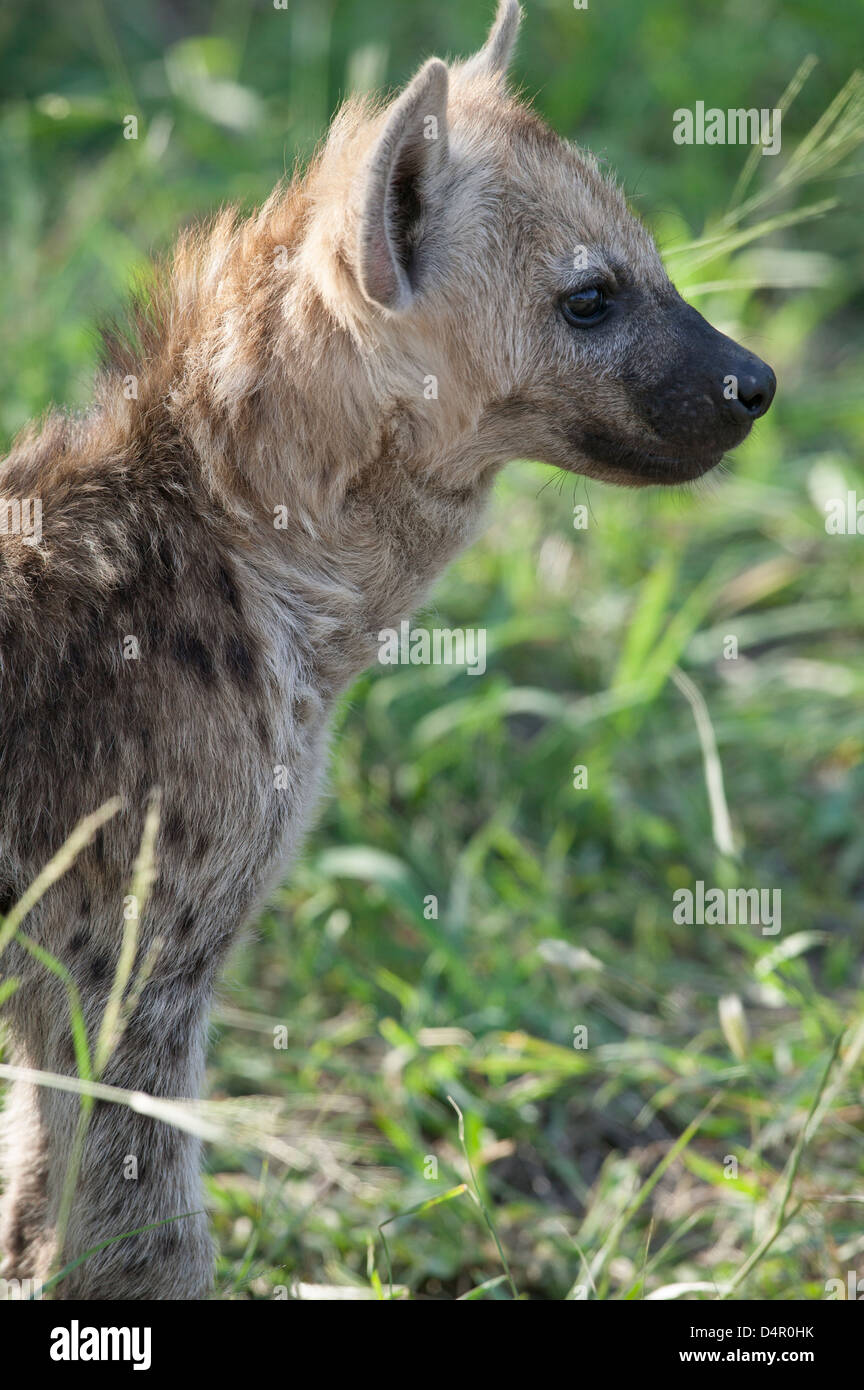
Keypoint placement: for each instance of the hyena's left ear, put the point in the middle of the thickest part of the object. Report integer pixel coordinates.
(409, 152)
(494, 57)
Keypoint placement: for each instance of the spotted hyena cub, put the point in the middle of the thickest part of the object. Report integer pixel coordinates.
(218, 548)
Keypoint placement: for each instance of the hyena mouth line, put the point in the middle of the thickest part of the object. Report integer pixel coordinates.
(648, 465)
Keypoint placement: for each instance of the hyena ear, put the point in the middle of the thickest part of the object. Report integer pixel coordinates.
(494, 57)
(410, 150)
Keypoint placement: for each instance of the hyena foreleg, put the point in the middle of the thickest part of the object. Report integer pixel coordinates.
(134, 1171)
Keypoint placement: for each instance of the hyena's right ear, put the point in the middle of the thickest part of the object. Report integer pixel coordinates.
(409, 152)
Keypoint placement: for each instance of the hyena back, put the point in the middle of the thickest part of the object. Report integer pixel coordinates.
(296, 433)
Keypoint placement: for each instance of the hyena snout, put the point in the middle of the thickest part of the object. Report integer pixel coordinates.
(686, 395)
(697, 397)
(721, 382)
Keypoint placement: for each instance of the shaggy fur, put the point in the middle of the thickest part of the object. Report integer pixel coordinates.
(261, 485)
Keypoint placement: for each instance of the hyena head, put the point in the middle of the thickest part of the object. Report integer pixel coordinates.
(521, 309)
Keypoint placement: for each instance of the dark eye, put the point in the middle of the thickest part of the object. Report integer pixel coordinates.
(584, 307)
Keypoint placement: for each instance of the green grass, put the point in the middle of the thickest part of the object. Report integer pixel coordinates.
(605, 1170)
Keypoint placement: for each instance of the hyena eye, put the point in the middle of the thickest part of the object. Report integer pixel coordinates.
(584, 307)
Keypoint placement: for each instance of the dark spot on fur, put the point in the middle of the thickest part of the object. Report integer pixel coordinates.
(16, 1237)
(203, 844)
(186, 923)
(190, 650)
(99, 965)
(74, 663)
(98, 846)
(167, 567)
(8, 898)
(78, 939)
(8, 637)
(85, 906)
(127, 591)
(227, 587)
(174, 828)
(239, 660)
(262, 729)
(40, 840)
(154, 630)
(199, 966)
(92, 621)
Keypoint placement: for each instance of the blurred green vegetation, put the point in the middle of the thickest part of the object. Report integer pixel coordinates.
(554, 904)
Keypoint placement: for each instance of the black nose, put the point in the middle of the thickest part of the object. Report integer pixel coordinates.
(749, 391)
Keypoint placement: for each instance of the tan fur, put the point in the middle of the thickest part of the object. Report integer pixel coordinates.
(280, 362)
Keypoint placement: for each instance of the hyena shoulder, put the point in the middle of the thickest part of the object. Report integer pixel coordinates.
(131, 656)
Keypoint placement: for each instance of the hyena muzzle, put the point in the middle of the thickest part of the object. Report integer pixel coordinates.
(264, 482)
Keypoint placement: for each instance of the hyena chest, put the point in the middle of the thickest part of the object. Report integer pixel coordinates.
(233, 829)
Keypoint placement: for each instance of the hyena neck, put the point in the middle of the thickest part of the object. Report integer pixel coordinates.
(345, 499)
(340, 576)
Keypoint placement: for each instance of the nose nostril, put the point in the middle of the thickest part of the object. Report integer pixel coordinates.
(748, 387)
(756, 392)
